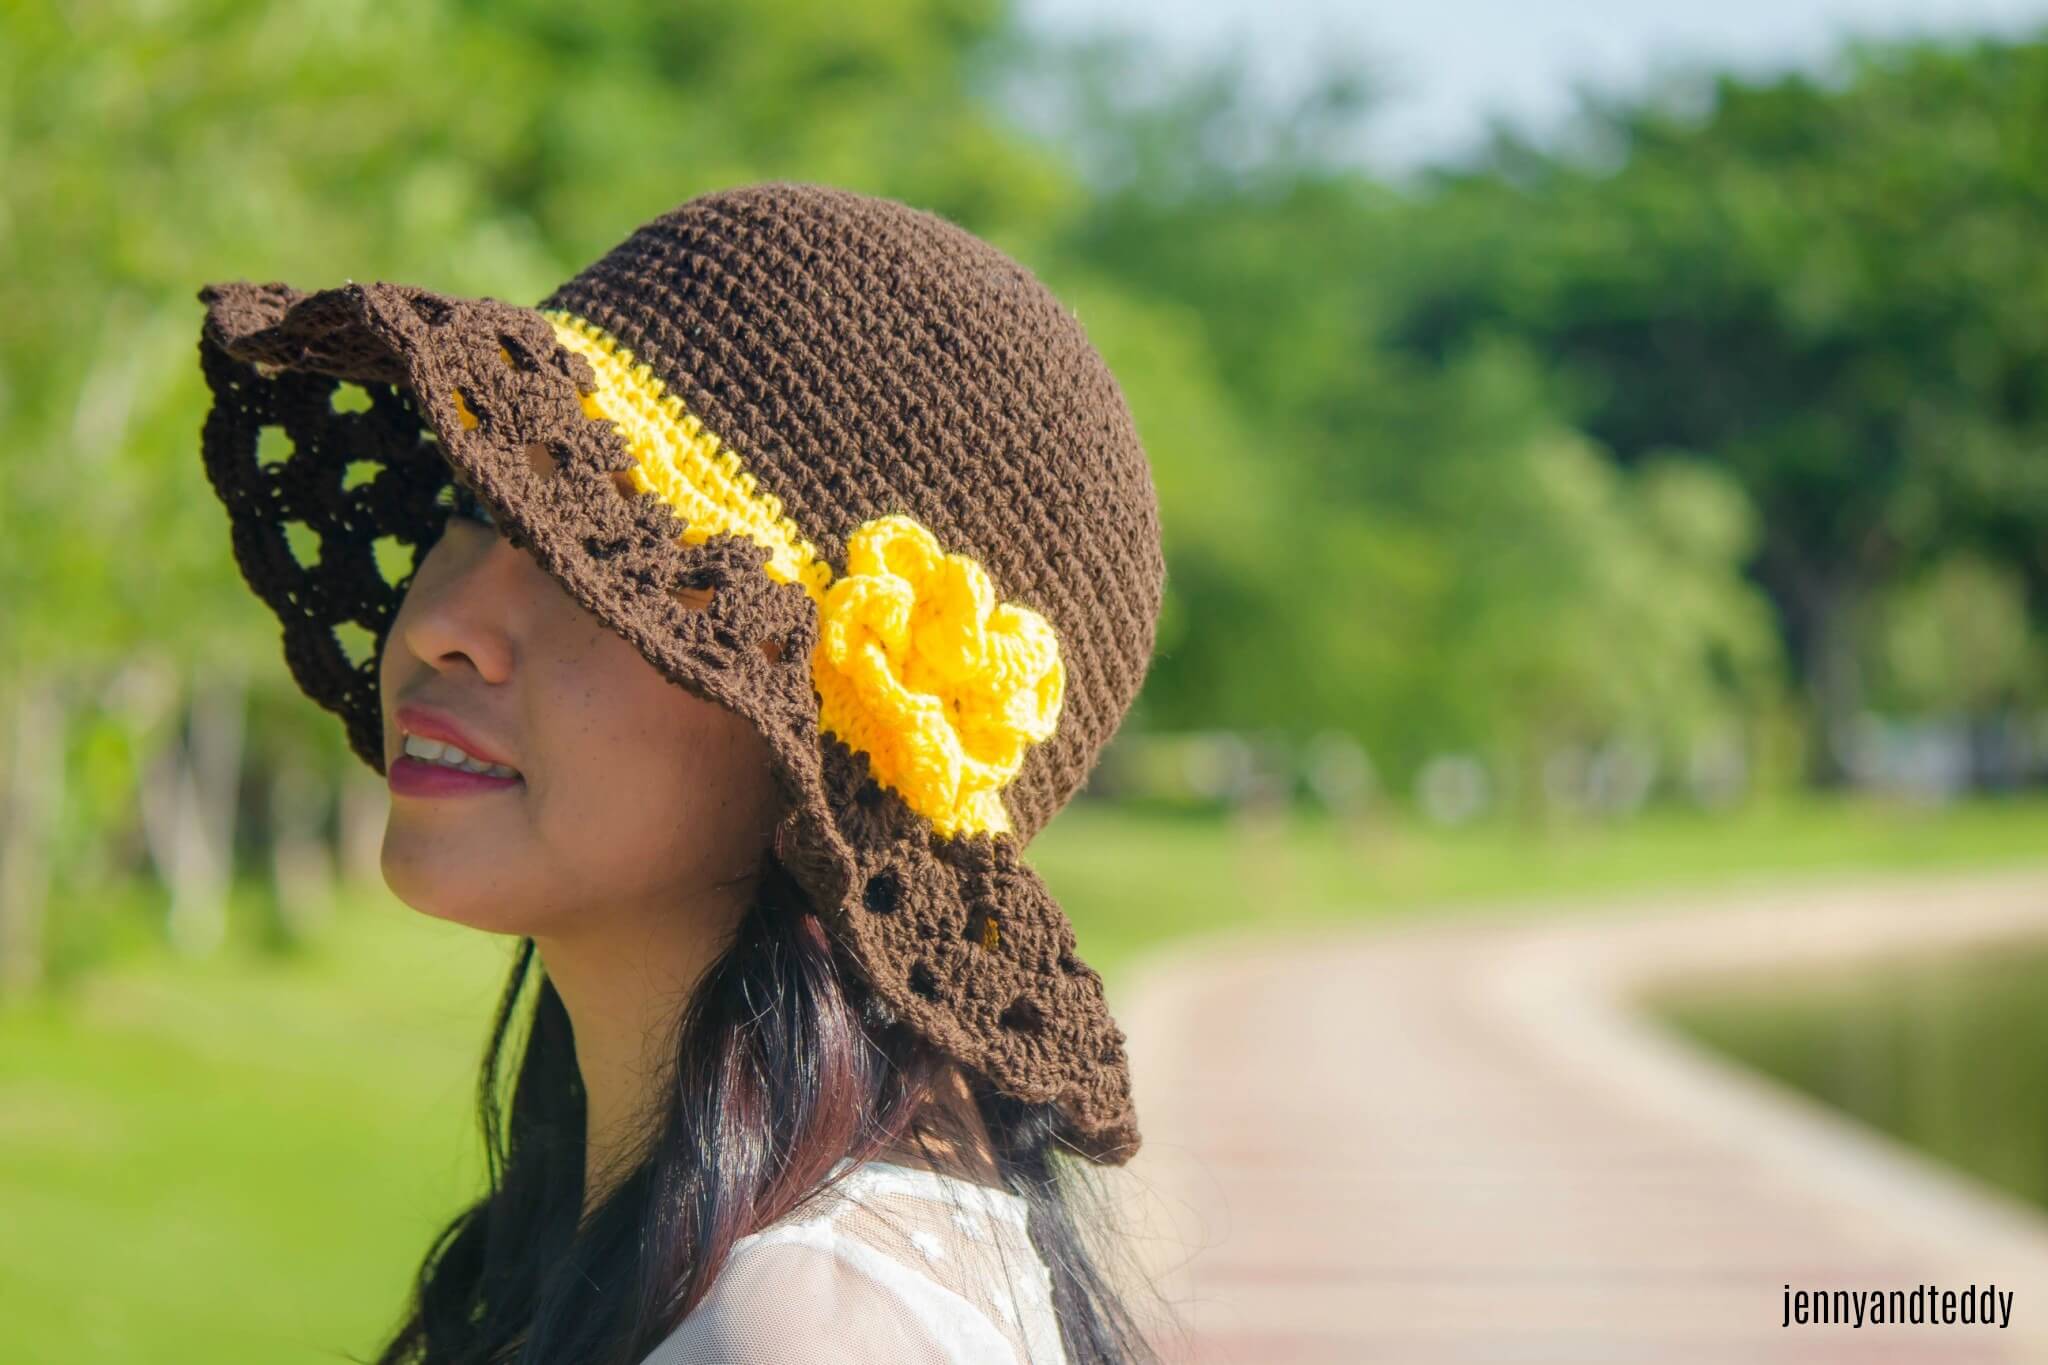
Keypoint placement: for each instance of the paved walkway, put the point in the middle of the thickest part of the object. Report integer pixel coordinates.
(1455, 1140)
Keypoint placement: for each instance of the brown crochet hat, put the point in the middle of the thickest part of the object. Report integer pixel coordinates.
(829, 461)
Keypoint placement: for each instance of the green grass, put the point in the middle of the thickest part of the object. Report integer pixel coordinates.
(237, 1160)
(1134, 878)
(243, 1159)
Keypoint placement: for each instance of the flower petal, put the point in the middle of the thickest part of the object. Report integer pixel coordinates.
(941, 685)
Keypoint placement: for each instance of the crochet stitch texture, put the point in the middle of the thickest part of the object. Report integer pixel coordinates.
(828, 460)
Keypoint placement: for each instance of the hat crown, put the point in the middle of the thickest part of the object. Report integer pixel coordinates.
(867, 359)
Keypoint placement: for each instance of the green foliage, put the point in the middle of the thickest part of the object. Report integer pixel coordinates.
(1831, 291)
(1957, 639)
(1482, 466)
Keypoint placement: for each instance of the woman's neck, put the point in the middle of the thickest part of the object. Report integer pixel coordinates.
(624, 1001)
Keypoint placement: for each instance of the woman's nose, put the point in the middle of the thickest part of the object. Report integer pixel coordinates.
(467, 615)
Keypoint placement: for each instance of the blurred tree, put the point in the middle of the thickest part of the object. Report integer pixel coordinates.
(1833, 291)
(1955, 639)
(1413, 549)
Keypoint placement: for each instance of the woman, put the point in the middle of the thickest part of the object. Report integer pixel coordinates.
(771, 584)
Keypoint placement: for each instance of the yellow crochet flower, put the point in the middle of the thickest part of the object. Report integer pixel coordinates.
(943, 687)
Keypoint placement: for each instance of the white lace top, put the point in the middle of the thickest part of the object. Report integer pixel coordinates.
(894, 1264)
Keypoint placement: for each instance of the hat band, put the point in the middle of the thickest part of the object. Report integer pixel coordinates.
(918, 664)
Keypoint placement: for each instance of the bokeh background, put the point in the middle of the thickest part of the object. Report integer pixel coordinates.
(1596, 452)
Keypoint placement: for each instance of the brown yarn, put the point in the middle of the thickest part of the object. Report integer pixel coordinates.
(863, 357)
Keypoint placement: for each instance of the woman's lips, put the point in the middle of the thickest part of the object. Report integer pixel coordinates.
(411, 776)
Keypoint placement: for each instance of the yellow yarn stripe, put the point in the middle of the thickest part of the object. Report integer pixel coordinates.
(683, 462)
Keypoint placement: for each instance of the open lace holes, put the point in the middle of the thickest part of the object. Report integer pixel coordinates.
(349, 398)
(694, 598)
(922, 982)
(773, 649)
(273, 447)
(883, 893)
(394, 559)
(981, 927)
(303, 542)
(1023, 1016)
(622, 479)
(357, 644)
(541, 459)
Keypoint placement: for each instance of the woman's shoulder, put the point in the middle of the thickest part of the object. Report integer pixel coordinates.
(888, 1263)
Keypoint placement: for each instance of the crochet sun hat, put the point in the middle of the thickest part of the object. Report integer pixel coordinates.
(828, 460)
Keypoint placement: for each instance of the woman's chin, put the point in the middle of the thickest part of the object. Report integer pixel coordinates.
(486, 919)
(442, 887)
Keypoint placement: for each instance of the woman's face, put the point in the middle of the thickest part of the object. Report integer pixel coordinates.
(636, 797)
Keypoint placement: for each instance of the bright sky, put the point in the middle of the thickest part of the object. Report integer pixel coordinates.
(1446, 65)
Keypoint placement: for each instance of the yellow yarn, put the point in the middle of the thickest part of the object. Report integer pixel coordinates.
(917, 664)
(921, 667)
(683, 462)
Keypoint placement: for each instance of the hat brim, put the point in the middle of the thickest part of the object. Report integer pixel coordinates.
(956, 934)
